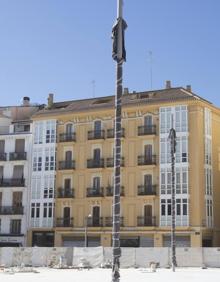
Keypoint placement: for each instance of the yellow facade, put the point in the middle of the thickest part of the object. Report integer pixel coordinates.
(81, 207)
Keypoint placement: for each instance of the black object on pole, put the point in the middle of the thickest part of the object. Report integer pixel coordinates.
(119, 55)
(172, 137)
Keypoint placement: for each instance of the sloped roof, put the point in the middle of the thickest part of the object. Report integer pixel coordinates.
(135, 98)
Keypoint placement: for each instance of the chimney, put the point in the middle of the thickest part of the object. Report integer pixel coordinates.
(189, 88)
(168, 84)
(26, 101)
(126, 91)
(50, 101)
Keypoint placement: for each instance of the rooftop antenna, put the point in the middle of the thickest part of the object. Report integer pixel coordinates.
(93, 88)
(150, 54)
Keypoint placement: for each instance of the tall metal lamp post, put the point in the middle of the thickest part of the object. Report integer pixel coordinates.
(86, 225)
(119, 55)
(172, 138)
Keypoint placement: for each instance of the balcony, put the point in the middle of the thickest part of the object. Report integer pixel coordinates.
(65, 193)
(64, 222)
(146, 130)
(110, 162)
(94, 222)
(3, 156)
(12, 182)
(109, 221)
(95, 192)
(93, 163)
(109, 191)
(18, 156)
(146, 221)
(6, 210)
(147, 160)
(146, 190)
(67, 165)
(96, 134)
(111, 133)
(67, 137)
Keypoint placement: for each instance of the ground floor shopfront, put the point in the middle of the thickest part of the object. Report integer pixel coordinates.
(8, 240)
(134, 238)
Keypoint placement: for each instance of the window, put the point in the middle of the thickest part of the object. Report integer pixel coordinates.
(97, 154)
(37, 160)
(163, 182)
(169, 207)
(178, 207)
(96, 182)
(163, 207)
(50, 131)
(148, 121)
(35, 210)
(50, 159)
(67, 183)
(97, 125)
(208, 120)
(180, 119)
(2, 146)
(36, 187)
(181, 149)
(162, 150)
(48, 187)
(208, 175)
(38, 133)
(48, 210)
(185, 207)
(15, 226)
(17, 199)
(69, 129)
(169, 182)
(208, 152)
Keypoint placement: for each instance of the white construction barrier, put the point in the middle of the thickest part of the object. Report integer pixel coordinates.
(97, 256)
(146, 255)
(94, 256)
(189, 257)
(211, 257)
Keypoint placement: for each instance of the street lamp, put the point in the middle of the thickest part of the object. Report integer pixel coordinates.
(86, 225)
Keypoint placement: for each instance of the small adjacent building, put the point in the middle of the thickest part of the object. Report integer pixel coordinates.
(15, 160)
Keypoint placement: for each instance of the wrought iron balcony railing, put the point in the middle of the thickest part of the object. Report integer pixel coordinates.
(12, 182)
(146, 220)
(67, 137)
(67, 165)
(18, 156)
(111, 133)
(109, 220)
(64, 222)
(95, 192)
(93, 163)
(147, 160)
(146, 190)
(96, 134)
(146, 130)
(65, 193)
(109, 191)
(7, 210)
(110, 162)
(94, 221)
(3, 157)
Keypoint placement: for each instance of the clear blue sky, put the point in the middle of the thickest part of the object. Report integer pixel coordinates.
(60, 46)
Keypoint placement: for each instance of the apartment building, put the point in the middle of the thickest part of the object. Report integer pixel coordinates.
(76, 207)
(15, 160)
